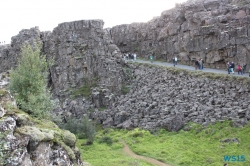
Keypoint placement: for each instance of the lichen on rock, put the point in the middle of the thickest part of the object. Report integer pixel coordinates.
(25, 141)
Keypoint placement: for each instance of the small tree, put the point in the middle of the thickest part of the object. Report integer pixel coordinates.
(28, 82)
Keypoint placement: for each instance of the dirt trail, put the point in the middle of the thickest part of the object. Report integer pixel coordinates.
(149, 160)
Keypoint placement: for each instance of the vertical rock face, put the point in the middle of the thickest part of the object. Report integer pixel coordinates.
(215, 30)
(5, 60)
(10, 53)
(83, 52)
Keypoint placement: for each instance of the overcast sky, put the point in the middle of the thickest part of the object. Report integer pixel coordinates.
(16, 15)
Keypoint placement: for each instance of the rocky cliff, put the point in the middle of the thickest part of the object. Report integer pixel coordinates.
(215, 30)
(83, 54)
(84, 57)
(89, 75)
(25, 141)
(10, 53)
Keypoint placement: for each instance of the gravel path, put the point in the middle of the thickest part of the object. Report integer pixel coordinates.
(190, 67)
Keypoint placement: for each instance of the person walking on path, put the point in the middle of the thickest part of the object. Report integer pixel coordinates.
(151, 58)
(232, 67)
(196, 63)
(124, 56)
(228, 67)
(200, 64)
(240, 69)
(135, 56)
(244, 68)
(175, 60)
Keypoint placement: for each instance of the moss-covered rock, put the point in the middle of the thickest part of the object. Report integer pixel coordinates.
(36, 134)
(23, 120)
(2, 92)
(69, 138)
(41, 142)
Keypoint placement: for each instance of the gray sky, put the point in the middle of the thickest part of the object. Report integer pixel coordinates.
(47, 14)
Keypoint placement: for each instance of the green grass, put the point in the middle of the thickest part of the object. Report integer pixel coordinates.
(125, 89)
(102, 154)
(197, 147)
(84, 90)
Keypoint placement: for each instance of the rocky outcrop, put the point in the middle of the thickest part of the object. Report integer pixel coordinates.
(83, 54)
(215, 30)
(5, 59)
(84, 57)
(10, 53)
(169, 98)
(27, 142)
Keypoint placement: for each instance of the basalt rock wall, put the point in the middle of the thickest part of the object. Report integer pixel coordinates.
(84, 57)
(82, 51)
(10, 53)
(170, 98)
(215, 30)
(83, 54)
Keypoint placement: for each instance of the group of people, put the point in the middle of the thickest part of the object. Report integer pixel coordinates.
(240, 68)
(199, 64)
(128, 56)
(3, 42)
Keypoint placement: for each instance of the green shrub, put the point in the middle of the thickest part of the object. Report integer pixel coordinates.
(87, 129)
(85, 90)
(3, 76)
(83, 128)
(71, 125)
(106, 140)
(28, 82)
(125, 89)
(101, 108)
(2, 92)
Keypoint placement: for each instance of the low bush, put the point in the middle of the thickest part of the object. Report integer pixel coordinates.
(125, 89)
(83, 128)
(107, 140)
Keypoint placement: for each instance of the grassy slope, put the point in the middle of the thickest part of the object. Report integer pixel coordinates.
(197, 147)
(111, 155)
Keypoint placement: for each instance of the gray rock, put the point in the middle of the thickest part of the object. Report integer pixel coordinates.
(204, 29)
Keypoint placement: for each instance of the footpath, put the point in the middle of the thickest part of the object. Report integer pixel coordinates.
(192, 68)
(147, 159)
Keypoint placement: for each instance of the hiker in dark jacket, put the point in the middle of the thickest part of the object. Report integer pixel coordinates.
(244, 68)
(232, 67)
(196, 64)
